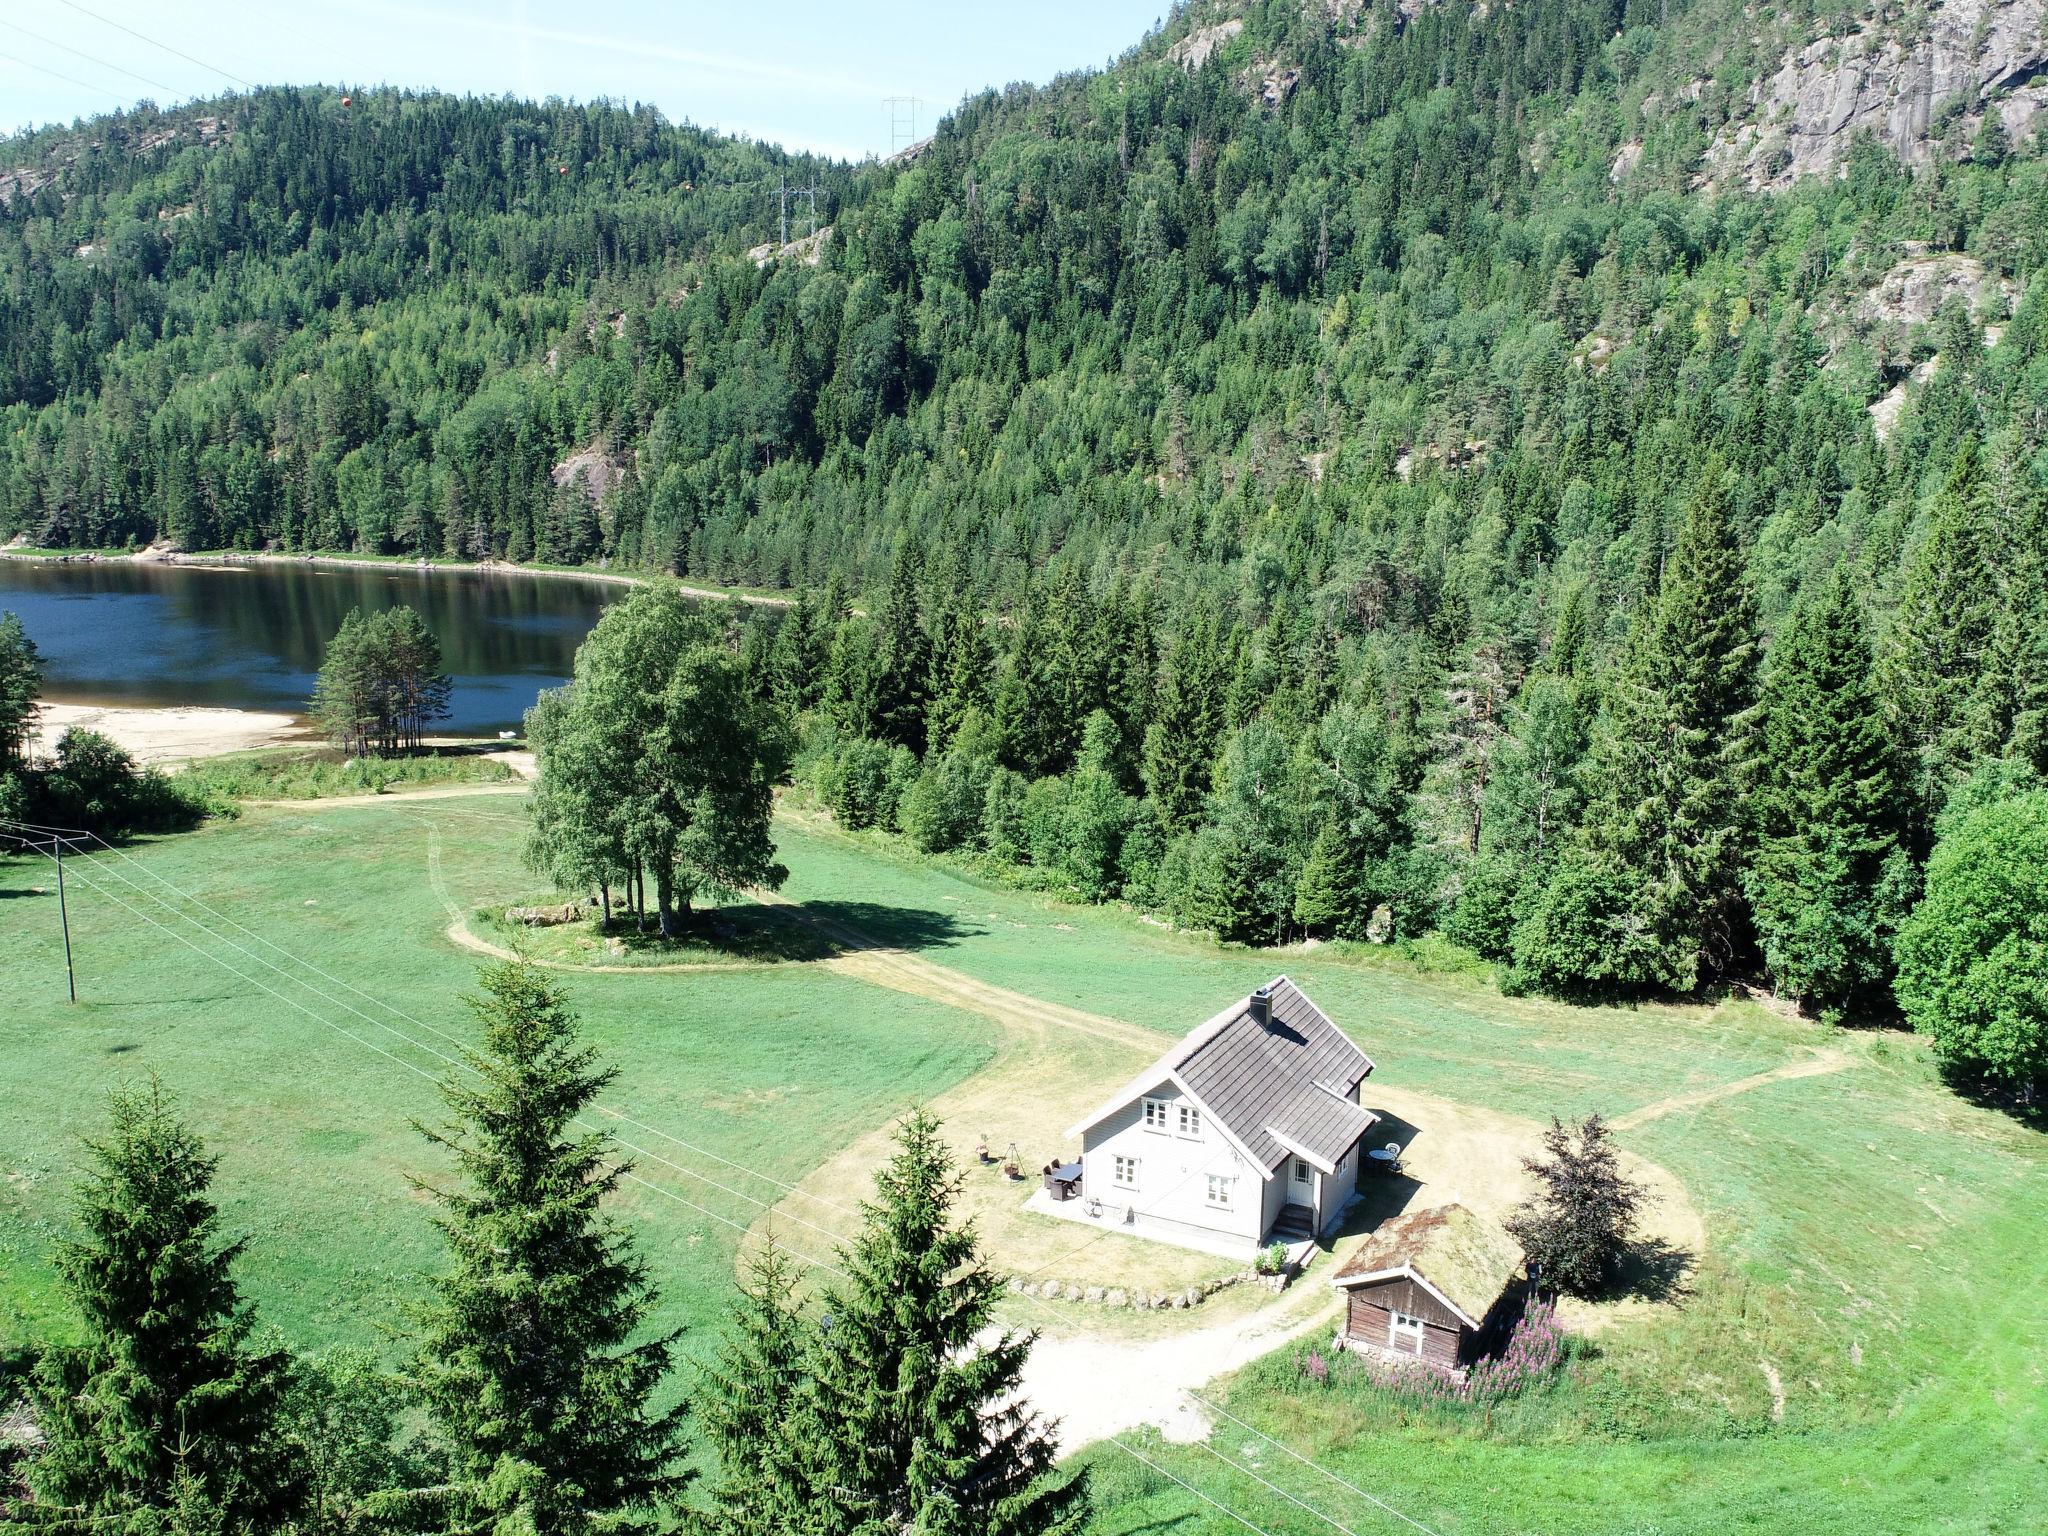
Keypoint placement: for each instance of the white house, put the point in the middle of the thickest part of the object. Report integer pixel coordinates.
(1246, 1132)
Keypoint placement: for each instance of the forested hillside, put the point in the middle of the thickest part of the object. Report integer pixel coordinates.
(1344, 469)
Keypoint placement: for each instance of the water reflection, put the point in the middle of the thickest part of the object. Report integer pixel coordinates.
(251, 637)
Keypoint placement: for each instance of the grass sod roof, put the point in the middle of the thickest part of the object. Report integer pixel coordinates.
(1457, 1252)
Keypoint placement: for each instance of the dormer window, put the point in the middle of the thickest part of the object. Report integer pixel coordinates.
(1155, 1114)
(1190, 1120)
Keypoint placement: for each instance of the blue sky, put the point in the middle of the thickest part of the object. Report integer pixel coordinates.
(806, 74)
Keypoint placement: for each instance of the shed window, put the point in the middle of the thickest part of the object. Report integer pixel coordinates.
(1126, 1170)
(1155, 1114)
(1190, 1120)
(1219, 1189)
(1404, 1333)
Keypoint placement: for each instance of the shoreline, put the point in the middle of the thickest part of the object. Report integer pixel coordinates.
(237, 560)
(162, 735)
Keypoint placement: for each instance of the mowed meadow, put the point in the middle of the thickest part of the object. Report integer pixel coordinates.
(1859, 1345)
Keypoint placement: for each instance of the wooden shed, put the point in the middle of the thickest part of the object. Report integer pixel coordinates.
(1439, 1285)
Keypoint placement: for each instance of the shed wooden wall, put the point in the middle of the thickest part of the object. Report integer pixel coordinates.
(1371, 1307)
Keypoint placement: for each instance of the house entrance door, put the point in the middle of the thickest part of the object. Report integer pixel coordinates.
(1301, 1183)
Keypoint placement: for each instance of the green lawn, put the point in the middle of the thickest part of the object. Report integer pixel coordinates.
(769, 1067)
(1873, 1240)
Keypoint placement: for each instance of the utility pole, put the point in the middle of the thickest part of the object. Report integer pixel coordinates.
(64, 918)
(54, 851)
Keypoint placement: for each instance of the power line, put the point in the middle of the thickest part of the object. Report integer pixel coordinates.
(1344, 1530)
(97, 863)
(1312, 1465)
(58, 74)
(93, 59)
(166, 47)
(375, 1001)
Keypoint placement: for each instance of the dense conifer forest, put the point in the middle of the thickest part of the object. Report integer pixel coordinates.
(1367, 475)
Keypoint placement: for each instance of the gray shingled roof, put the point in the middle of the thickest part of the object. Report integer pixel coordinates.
(1294, 1076)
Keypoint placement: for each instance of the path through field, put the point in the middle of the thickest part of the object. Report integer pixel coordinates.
(1825, 1059)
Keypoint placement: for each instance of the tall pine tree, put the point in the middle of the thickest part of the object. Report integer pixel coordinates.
(1934, 650)
(918, 1423)
(161, 1405)
(527, 1364)
(754, 1405)
(1828, 882)
(1674, 755)
(1187, 720)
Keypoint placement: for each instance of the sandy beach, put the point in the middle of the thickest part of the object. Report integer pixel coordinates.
(170, 735)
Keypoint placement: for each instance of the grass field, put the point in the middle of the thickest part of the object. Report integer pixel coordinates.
(314, 1126)
(1861, 1348)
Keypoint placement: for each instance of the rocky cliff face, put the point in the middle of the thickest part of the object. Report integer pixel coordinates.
(1920, 80)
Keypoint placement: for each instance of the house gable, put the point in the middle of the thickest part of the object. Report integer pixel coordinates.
(1273, 1086)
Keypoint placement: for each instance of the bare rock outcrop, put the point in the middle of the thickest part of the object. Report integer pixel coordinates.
(1923, 280)
(594, 469)
(807, 249)
(1903, 78)
(1196, 49)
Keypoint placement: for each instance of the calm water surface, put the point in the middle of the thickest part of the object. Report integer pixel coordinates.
(251, 637)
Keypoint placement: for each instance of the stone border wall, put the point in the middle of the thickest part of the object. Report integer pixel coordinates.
(1133, 1300)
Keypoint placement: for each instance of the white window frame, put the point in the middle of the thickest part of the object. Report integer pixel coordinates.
(1401, 1328)
(1220, 1191)
(1189, 1121)
(1124, 1171)
(1154, 1116)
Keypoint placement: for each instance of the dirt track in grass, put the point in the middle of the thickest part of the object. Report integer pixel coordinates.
(1825, 1059)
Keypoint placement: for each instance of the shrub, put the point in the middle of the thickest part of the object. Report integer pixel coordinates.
(1002, 816)
(92, 785)
(1484, 917)
(1582, 933)
(942, 810)
(1973, 956)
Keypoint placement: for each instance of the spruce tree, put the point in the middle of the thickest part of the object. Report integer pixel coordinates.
(1935, 647)
(1326, 894)
(903, 653)
(1180, 746)
(1828, 878)
(918, 1423)
(961, 667)
(162, 1405)
(527, 1363)
(1674, 754)
(754, 1402)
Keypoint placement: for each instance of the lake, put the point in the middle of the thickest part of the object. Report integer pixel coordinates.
(251, 637)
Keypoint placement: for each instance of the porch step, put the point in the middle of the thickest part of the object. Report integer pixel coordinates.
(1295, 1223)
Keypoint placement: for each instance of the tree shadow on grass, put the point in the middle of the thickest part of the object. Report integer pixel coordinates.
(858, 924)
(799, 932)
(1653, 1270)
